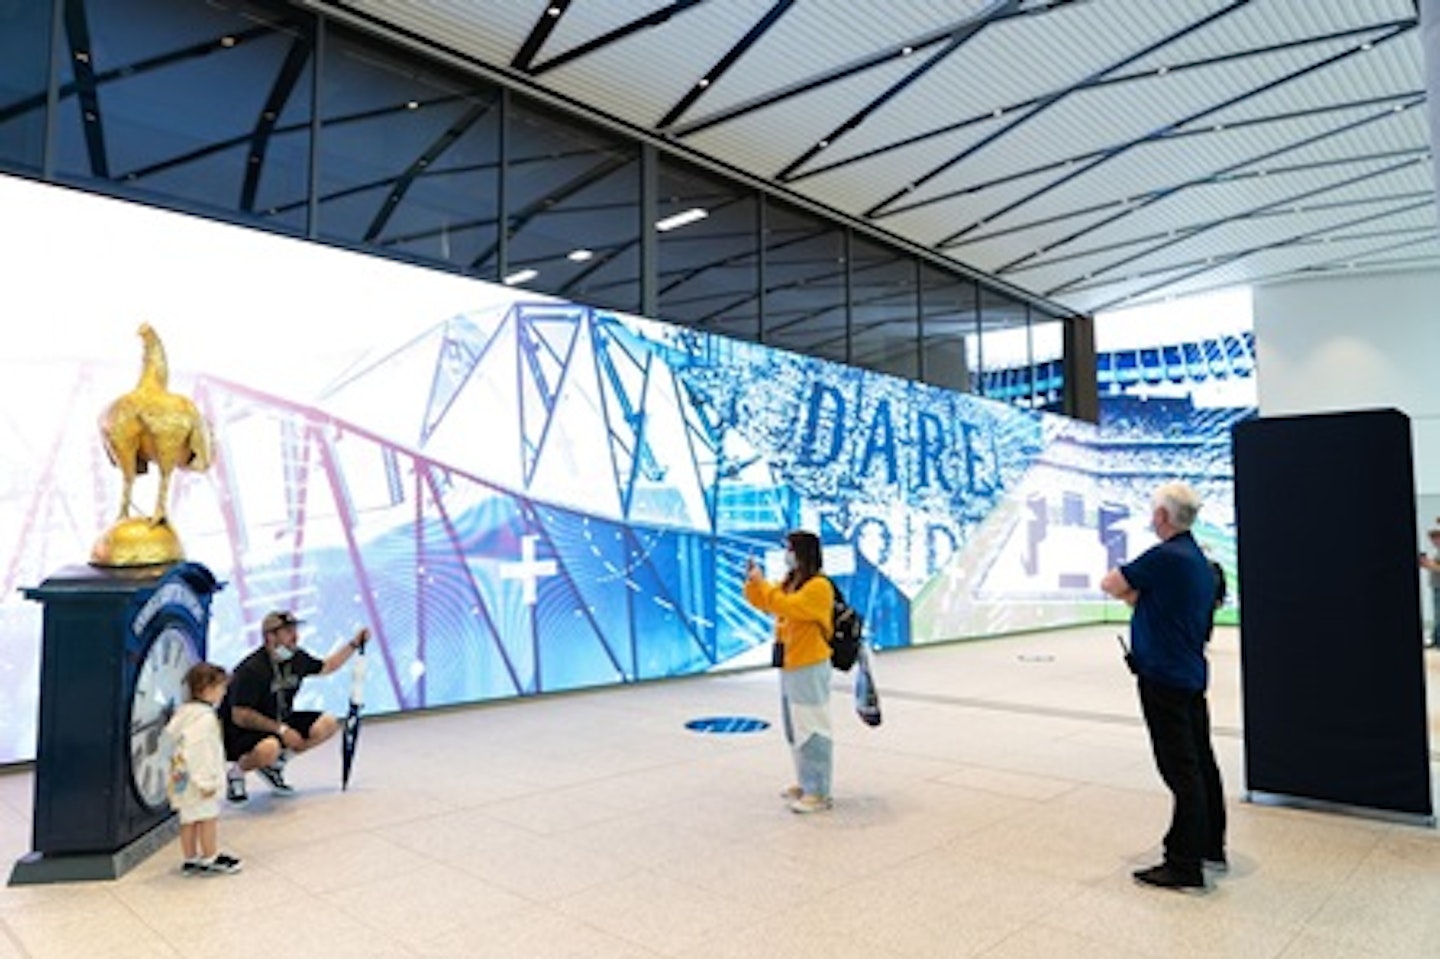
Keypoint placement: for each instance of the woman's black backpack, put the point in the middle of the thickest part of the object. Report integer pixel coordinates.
(849, 632)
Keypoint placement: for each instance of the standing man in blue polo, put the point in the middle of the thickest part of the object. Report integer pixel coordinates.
(1172, 589)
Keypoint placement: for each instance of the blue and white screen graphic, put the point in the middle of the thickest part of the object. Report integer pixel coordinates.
(517, 494)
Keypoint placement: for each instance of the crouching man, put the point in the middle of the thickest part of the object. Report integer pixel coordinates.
(262, 728)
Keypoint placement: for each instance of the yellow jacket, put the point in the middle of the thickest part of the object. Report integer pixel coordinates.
(803, 618)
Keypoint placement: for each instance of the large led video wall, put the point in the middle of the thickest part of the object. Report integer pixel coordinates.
(518, 494)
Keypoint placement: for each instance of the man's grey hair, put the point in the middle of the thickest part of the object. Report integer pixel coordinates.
(1180, 503)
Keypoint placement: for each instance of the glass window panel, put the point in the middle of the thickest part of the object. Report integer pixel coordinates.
(409, 157)
(24, 73)
(804, 308)
(949, 307)
(202, 101)
(709, 274)
(1002, 353)
(1047, 344)
(573, 208)
(884, 309)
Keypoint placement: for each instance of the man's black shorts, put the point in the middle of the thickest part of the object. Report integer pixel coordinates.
(239, 741)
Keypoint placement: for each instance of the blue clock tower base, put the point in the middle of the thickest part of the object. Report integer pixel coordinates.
(36, 868)
(115, 648)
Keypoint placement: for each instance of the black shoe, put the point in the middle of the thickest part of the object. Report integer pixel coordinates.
(192, 867)
(276, 778)
(221, 865)
(1170, 876)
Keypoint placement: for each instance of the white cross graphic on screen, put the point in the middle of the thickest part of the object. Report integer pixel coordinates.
(529, 569)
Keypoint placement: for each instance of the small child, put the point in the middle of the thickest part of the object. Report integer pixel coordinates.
(197, 771)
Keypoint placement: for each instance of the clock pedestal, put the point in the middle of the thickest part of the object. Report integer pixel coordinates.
(116, 644)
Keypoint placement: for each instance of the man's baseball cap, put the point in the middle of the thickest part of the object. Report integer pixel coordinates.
(277, 619)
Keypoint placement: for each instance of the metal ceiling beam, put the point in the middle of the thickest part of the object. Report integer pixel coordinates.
(539, 34)
(286, 81)
(517, 221)
(1050, 100)
(1336, 264)
(1228, 258)
(403, 182)
(1154, 237)
(1133, 205)
(77, 30)
(891, 53)
(1286, 202)
(101, 78)
(1171, 137)
(723, 65)
(220, 146)
(1097, 83)
(652, 19)
(957, 40)
(1122, 149)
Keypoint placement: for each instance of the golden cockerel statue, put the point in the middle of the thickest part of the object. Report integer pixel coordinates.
(148, 425)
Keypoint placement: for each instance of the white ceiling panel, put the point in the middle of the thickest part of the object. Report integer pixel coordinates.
(768, 140)
(810, 39)
(1256, 26)
(491, 32)
(657, 74)
(1392, 68)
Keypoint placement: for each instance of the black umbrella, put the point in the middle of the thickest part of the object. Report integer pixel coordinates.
(352, 719)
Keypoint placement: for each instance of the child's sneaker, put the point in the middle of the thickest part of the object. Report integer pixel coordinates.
(222, 864)
(275, 776)
(193, 867)
(235, 785)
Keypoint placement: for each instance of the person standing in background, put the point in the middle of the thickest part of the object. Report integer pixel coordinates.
(1431, 564)
(803, 606)
(1172, 589)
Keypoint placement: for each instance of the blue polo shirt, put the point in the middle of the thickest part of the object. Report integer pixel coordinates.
(1172, 617)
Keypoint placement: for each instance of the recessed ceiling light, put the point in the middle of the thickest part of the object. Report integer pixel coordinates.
(579, 256)
(680, 219)
(521, 276)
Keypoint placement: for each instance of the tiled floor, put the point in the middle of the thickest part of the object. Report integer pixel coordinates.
(998, 812)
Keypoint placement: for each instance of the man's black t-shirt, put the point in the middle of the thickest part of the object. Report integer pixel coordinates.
(269, 687)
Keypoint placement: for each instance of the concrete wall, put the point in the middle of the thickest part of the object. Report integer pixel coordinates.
(1348, 343)
(1345, 343)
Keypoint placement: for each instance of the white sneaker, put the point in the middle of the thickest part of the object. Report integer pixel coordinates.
(809, 804)
(235, 785)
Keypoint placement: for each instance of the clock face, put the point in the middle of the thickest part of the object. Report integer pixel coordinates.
(159, 689)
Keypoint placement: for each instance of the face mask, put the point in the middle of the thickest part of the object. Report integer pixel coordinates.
(283, 654)
(789, 561)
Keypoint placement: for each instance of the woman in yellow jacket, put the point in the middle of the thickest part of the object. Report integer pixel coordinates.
(803, 604)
